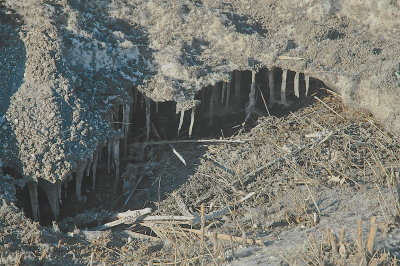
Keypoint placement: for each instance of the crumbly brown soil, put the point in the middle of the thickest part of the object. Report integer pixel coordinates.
(329, 167)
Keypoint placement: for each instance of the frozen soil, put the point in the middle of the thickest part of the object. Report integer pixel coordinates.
(328, 167)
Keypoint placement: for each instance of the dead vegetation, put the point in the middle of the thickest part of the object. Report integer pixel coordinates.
(335, 249)
(324, 145)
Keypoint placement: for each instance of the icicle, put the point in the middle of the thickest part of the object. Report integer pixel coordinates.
(109, 149)
(237, 83)
(155, 131)
(59, 192)
(213, 100)
(88, 166)
(252, 96)
(181, 121)
(157, 107)
(53, 195)
(65, 189)
(126, 119)
(135, 100)
(115, 115)
(34, 200)
(228, 95)
(94, 168)
(224, 84)
(283, 88)
(296, 85)
(116, 158)
(148, 112)
(192, 121)
(79, 178)
(142, 102)
(271, 85)
(307, 78)
(203, 97)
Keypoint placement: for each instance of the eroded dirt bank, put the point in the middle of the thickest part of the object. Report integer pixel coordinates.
(82, 83)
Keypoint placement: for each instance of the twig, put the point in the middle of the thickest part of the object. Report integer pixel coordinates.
(312, 197)
(128, 217)
(223, 211)
(225, 237)
(178, 154)
(195, 141)
(285, 57)
(166, 219)
(181, 205)
(265, 103)
(371, 236)
(139, 235)
(202, 226)
(327, 106)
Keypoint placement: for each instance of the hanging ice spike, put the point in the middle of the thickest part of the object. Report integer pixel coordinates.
(34, 200)
(52, 191)
(307, 79)
(116, 158)
(296, 84)
(148, 112)
(79, 178)
(192, 121)
(228, 94)
(238, 76)
(283, 88)
(94, 168)
(252, 96)
(271, 85)
(182, 116)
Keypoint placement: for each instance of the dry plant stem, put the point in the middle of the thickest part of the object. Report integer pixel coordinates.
(225, 237)
(371, 236)
(312, 197)
(166, 219)
(284, 57)
(202, 226)
(195, 141)
(129, 217)
(327, 106)
(359, 236)
(181, 205)
(265, 103)
(139, 235)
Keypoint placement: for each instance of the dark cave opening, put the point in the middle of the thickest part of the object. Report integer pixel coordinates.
(225, 109)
